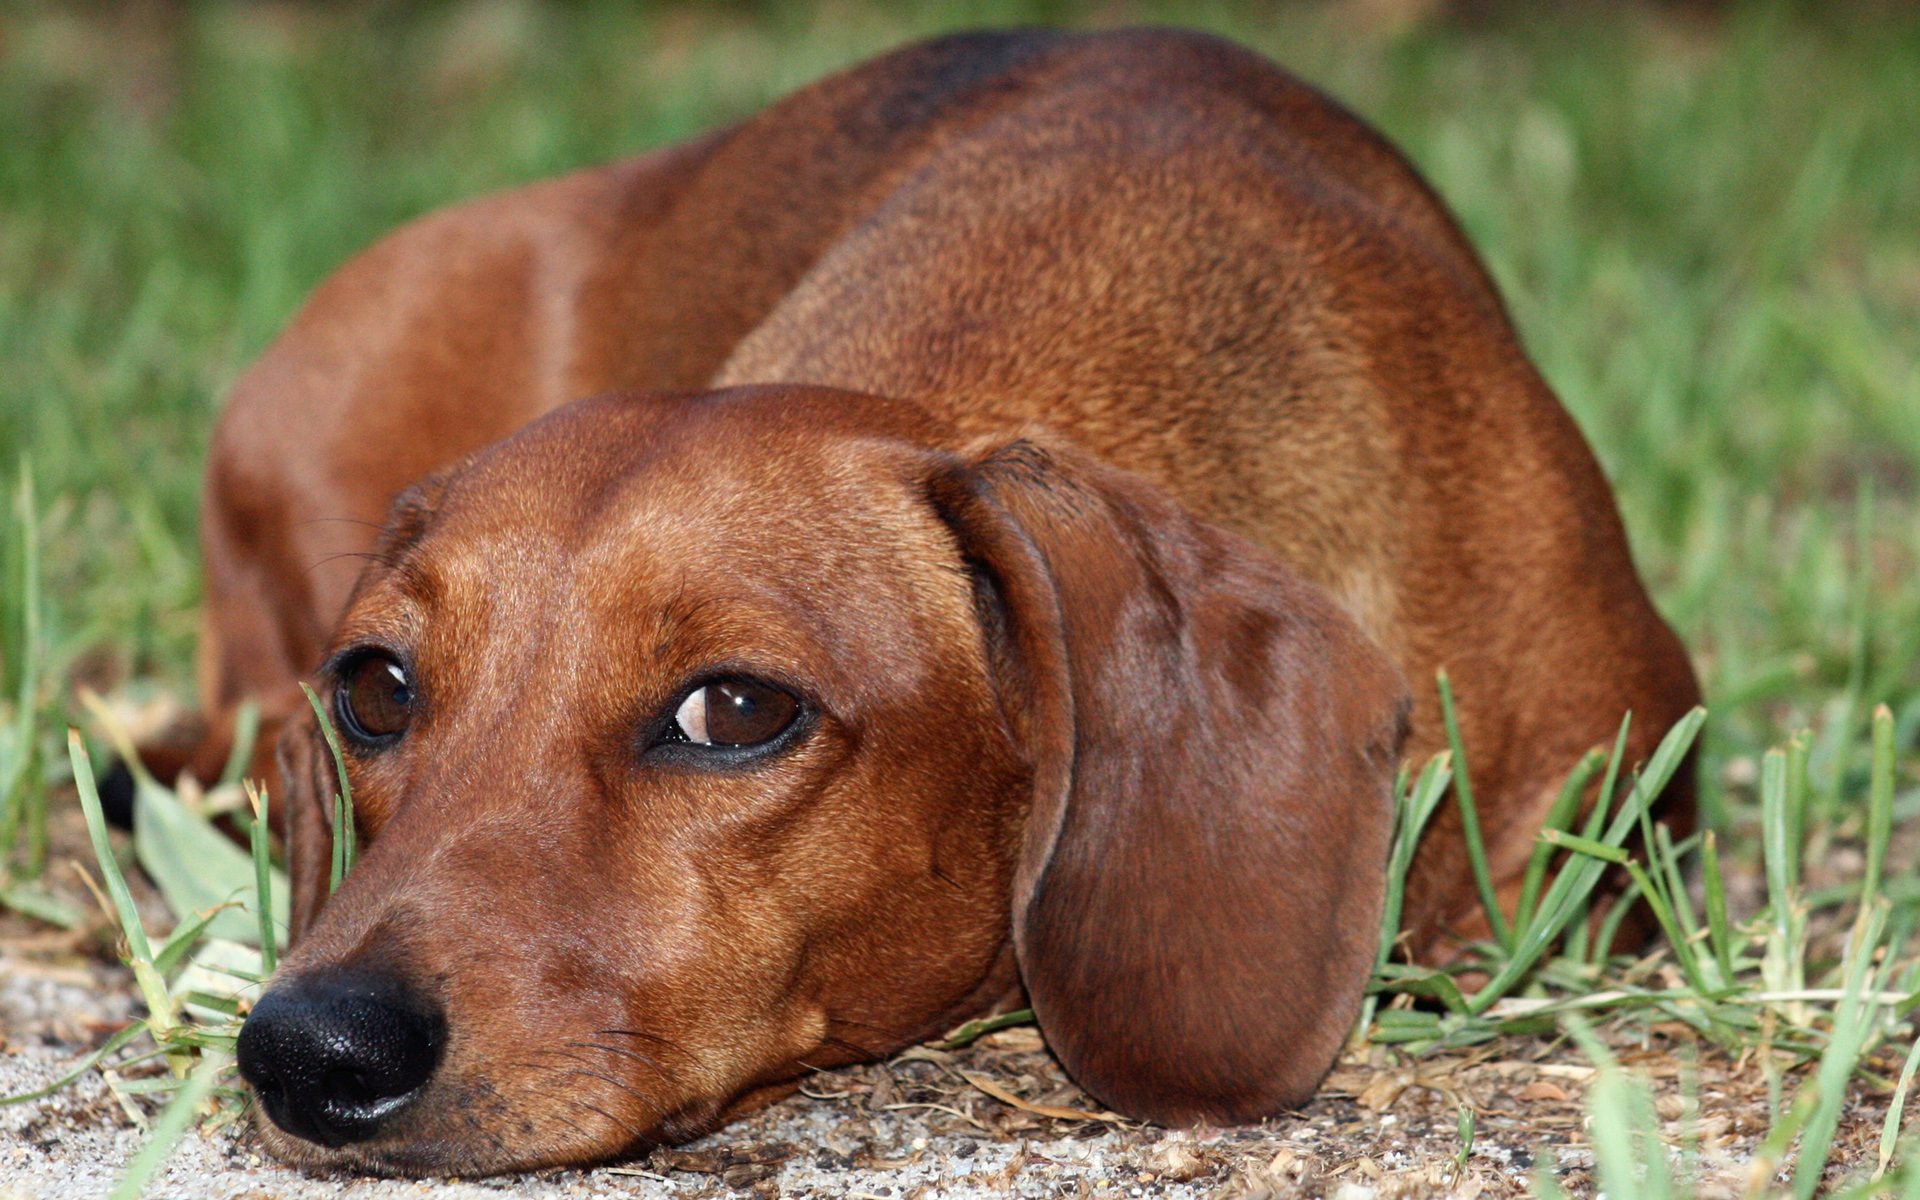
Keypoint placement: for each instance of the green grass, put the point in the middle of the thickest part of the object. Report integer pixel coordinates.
(1706, 231)
(1707, 228)
(1743, 986)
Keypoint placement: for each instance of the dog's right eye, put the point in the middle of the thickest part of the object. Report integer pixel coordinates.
(733, 713)
(375, 698)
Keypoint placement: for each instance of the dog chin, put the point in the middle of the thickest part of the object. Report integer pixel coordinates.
(476, 1152)
(430, 1144)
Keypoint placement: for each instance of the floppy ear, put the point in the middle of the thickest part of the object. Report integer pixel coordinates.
(1196, 906)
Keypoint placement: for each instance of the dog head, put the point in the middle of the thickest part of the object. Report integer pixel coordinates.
(699, 741)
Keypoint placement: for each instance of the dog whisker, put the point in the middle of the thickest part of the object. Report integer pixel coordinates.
(637, 1135)
(652, 1037)
(652, 1062)
(366, 555)
(896, 1034)
(561, 1117)
(628, 1088)
(608, 1049)
(634, 1133)
(573, 1100)
(374, 525)
(855, 1047)
(474, 1124)
(669, 1043)
(643, 1097)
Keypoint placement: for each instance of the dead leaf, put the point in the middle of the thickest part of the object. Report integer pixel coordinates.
(1541, 1089)
(723, 1162)
(1021, 1039)
(1384, 1089)
(747, 1174)
(1040, 1110)
(1174, 1159)
(1566, 1071)
(1003, 1180)
(703, 1162)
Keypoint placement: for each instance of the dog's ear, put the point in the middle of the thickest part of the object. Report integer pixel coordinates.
(307, 787)
(1196, 907)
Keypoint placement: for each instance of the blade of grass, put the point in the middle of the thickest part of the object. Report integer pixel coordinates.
(195, 866)
(183, 939)
(262, 879)
(139, 951)
(973, 1031)
(36, 901)
(1851, 1025)
(1610, 925)
(1579, 918)
(1628, 1154)
(119, 1039)
(169, 1129)
(23, 806)
(1419, 804)
(1772, 1150)
(1676, 940)
(1576, 880)
(1798, 795)
(1890, 1128)
(1470, 820)
(1597, 819)
(246, 730)
(1424, 981)
(1879, 804)
(343, 829)
(1776, 825)
(1783, 787)
(1719, 928)
(1839, 736)
(1665, 862)
(1565, 806)
(123, 905)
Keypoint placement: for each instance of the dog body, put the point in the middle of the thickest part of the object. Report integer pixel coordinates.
(1086, 443)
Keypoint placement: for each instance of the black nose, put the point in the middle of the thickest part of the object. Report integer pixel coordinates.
(333, 1054)
(116, 795)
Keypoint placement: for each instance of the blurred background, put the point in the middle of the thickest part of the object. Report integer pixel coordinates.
(1706, 219)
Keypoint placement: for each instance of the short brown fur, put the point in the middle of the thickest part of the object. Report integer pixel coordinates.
(1207, 442)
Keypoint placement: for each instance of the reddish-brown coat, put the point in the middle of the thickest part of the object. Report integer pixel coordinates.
(1209, 442)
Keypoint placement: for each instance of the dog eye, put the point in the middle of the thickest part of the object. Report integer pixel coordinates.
(375, 700)
(735, 712)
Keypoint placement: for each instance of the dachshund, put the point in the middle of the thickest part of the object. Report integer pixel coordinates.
(971, 536)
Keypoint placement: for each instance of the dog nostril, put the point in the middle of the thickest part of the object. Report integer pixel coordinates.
(332, 1054)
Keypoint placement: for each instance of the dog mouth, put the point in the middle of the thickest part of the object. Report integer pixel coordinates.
(350, 1068)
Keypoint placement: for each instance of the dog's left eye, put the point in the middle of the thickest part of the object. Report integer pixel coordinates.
(734, 712)
(375, 698)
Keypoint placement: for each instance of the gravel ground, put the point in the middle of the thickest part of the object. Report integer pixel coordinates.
(898, 1131)
(918, 1126)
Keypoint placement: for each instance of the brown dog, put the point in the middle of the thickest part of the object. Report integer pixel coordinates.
(1106, 435)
